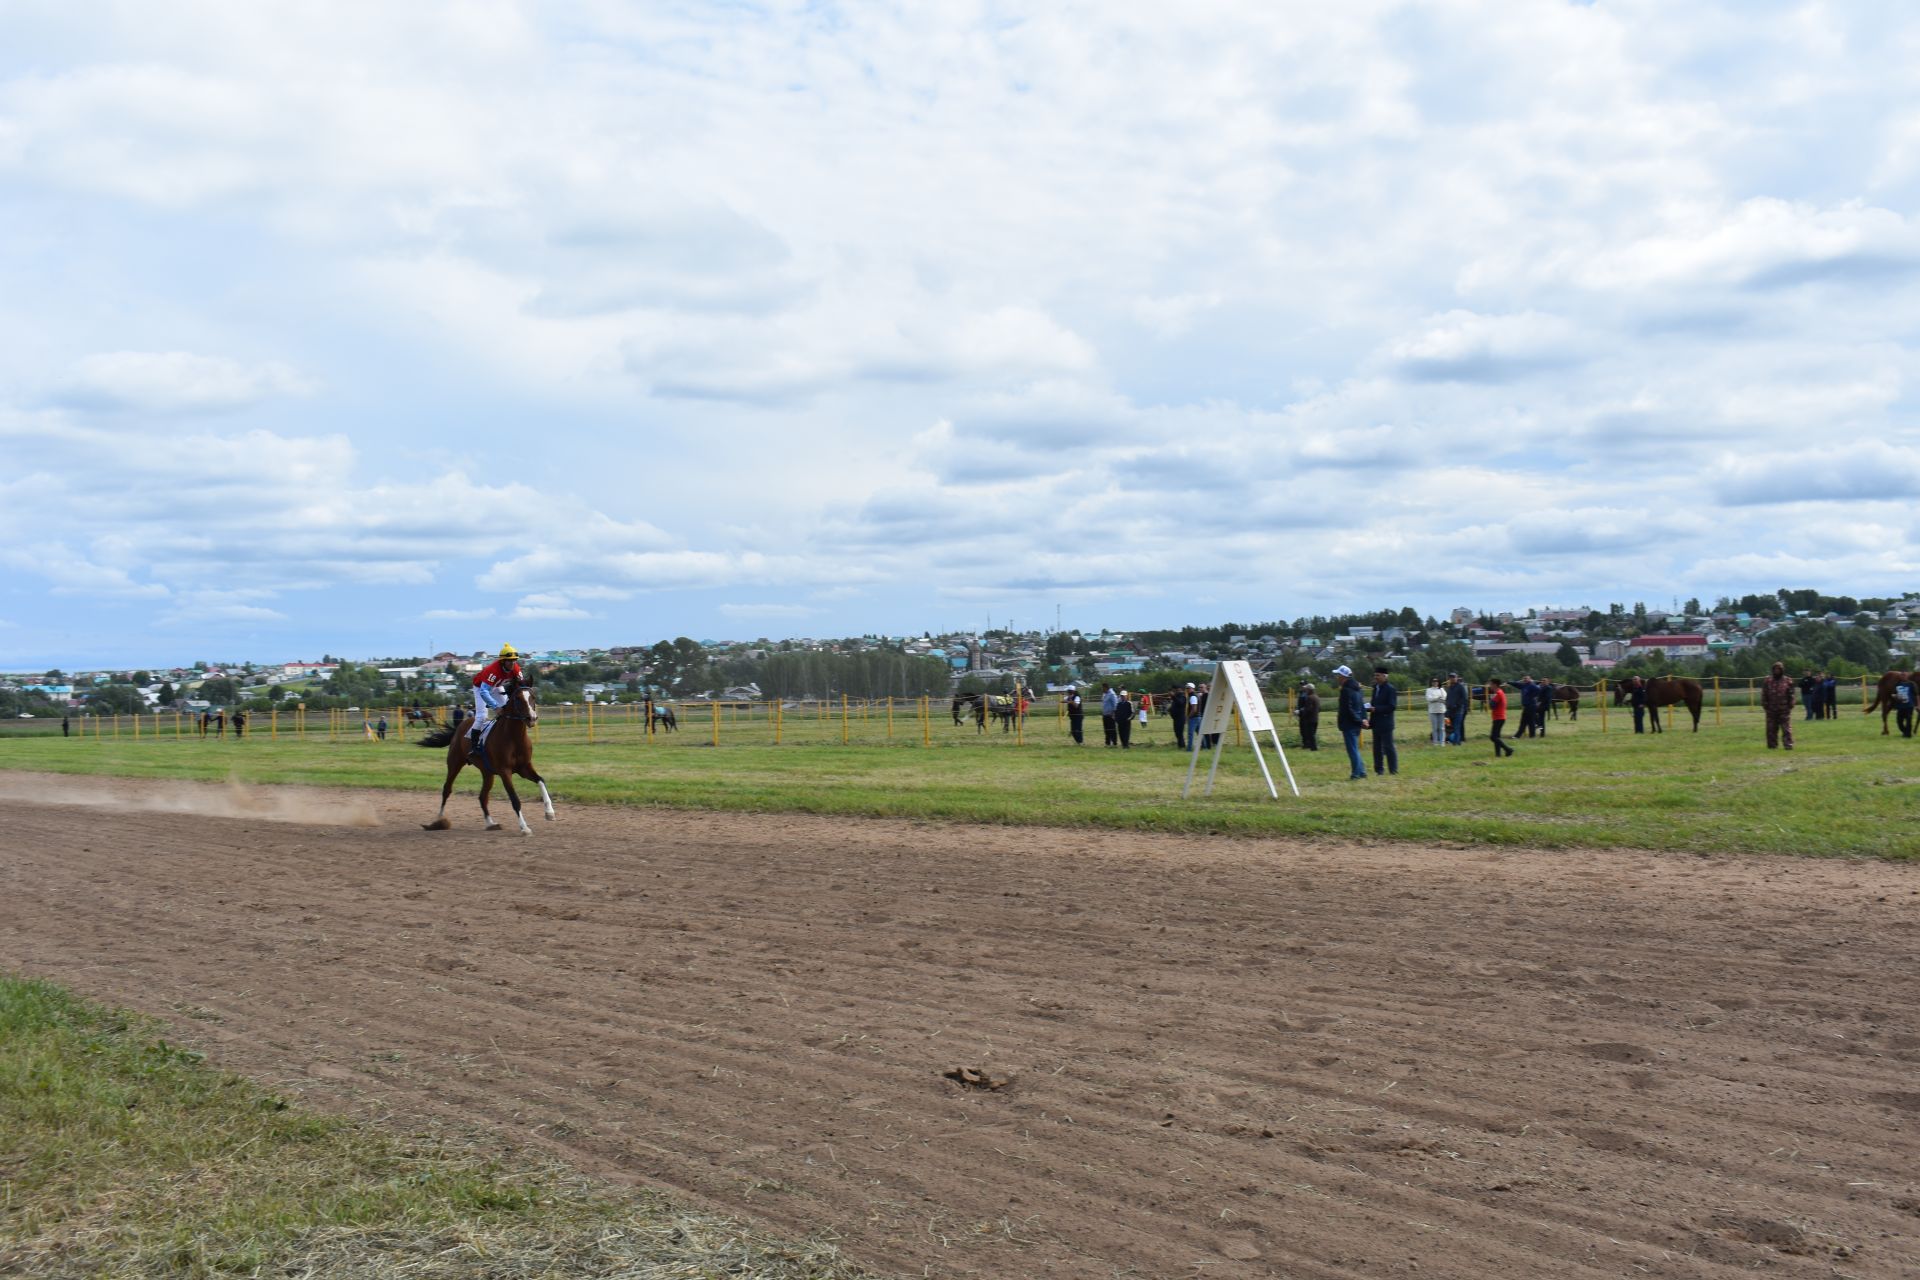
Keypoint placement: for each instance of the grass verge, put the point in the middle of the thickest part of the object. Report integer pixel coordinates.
(124, 1155)
(1846, 790)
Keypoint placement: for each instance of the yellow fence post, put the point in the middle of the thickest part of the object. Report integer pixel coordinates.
(1716, 702)
(589, 724)
(716, 724)
(889, 719)
(779, 718)
(846, 725)
(926, 721)
(1600, 695)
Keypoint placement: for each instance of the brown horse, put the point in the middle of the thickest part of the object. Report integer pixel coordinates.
(508, 751)
(1667, 691)
(1883, 696)
(1568, 696)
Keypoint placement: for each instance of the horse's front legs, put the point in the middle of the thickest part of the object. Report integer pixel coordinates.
(546, 798)
(514, 796)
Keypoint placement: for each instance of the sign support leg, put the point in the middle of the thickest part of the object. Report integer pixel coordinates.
(1281, 752)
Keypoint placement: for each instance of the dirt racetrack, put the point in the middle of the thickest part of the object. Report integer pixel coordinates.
(1227, 1058)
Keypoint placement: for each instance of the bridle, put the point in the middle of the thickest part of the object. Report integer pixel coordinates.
(519, 703)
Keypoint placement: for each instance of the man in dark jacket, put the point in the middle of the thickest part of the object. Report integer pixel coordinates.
(1177, 708)
(1457, 702)
(1309, 712)
(1637, 699)
(1386, 700)
(1776, 698)
(1076, 715)
(1123, 720)
(1351, 718)
(1809, 690)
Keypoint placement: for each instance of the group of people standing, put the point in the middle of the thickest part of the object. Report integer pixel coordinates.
(1819, 696)
(1362, 709)
(1120, 711)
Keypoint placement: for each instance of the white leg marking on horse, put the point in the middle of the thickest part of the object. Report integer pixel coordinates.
(546, 800)
(525, 830)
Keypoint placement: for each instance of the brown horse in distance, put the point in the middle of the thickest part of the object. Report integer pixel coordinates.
(1883, 696)
(1667, 691)
(508, 751)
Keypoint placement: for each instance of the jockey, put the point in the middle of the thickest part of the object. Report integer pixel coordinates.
(486, 685)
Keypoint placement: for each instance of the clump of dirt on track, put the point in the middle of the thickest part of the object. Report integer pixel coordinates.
(1222, 1058)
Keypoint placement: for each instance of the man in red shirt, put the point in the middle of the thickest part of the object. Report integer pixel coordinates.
(486, 686)
(1497, 711)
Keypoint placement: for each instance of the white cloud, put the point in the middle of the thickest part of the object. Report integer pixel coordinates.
(649, 310)
(171, 382)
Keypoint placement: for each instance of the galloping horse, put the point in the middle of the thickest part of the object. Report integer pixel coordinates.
(1883, 696)
(1667, 691)
(507, 751)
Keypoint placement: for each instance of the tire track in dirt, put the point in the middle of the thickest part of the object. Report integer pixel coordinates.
(1229, 1058)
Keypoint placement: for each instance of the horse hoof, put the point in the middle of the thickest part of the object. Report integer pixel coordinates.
(549, 817)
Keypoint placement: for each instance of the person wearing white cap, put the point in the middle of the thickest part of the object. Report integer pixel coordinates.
(1352, 718)
(1177, 707)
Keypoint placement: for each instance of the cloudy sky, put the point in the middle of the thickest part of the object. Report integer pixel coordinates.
(370, 328)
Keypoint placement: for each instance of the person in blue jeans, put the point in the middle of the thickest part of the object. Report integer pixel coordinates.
(1352, 717)
(1457, 700)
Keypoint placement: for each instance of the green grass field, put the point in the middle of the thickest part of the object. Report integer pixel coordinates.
(1846, 790)
(121, 1155)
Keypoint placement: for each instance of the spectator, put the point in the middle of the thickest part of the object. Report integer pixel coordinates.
(1177, 707)
(1905, 695)
(1437, 711)
(1386, 699)
(1309, 712)
(1109, 700)
(1123, 720)
(380, 727)
(1529, 694)
(1497, 713)
(220, 723)
(1637, 699)
(1776, 698)
(1145, 713)
(1809, 691)
(1196, 703)
(1830, 695)
(1549, 704)
(239, 724)
(1457, 704)
(1351, 718)
(1076, 715)
(66, 727)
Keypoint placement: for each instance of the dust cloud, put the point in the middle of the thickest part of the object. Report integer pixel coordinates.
(234, 799)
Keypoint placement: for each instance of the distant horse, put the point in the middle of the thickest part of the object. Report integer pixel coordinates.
(422, 716)
(508, 750)
(1003, 709)
(1667, 691)
(1883, 696)
(1570, 696)
(663, 718)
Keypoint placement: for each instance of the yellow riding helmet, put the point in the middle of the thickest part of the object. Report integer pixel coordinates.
(508, 651)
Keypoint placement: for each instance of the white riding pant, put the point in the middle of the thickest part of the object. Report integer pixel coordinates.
(483, 698)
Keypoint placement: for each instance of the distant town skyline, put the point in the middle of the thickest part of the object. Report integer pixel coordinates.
(385, 328)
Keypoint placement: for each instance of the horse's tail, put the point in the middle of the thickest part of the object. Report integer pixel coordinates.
(438, 738)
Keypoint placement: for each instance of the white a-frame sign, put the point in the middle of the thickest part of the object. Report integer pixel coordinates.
(1234, 688)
